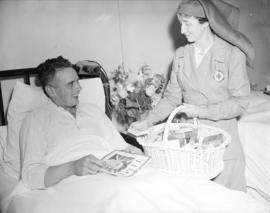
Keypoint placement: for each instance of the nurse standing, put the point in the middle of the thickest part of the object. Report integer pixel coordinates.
(209, 78)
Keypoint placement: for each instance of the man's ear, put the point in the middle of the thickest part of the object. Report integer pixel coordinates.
(50, 91)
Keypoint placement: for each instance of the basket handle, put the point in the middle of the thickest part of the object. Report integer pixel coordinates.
(169, 120)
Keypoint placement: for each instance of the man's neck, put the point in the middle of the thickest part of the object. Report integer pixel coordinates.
(71, 110)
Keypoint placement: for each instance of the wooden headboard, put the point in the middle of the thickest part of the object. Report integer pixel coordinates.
(92, 70)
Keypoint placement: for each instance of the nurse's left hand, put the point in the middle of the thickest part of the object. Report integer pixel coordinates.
(194, 111)
(133, 150)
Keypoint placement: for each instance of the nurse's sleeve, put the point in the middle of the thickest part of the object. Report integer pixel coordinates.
(238, 89)
(33, 149)
(171, 99)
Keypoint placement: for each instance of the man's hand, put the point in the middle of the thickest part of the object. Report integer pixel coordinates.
(87, 165)
(83, 166)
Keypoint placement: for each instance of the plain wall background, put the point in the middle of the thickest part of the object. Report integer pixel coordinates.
(135, 32)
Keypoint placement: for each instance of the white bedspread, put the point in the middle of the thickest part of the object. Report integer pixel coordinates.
(254, 130)
(148, 191)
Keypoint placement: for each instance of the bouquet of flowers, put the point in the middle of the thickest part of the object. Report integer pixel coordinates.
(132, 100)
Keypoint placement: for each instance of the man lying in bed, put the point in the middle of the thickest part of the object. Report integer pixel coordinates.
(60, 124)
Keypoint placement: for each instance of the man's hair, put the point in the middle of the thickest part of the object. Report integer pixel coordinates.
(47, 70)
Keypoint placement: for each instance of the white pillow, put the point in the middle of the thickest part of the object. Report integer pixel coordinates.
(26, 98)
(92, 92)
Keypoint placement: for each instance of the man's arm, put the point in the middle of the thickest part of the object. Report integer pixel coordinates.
(36, 174)
(83, 166)
(32, 152)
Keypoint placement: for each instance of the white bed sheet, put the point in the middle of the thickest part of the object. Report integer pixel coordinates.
(7, 183)
(148, 191)
(254, 131)
(3, 139)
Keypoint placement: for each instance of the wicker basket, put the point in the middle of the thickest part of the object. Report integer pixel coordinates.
(200, 163)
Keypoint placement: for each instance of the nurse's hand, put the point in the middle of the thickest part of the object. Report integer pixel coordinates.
(194, 111)
(139, 125)
(133, 150)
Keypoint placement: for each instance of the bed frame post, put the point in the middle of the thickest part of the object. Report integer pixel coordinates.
(3, 119)
(27, 79)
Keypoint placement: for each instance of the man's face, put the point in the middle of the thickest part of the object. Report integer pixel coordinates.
(66, 88)
(191, 28)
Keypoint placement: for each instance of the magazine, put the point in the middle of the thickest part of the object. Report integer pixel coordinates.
(121, 163)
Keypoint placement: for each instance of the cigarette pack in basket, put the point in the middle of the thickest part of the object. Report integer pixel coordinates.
(188, 149)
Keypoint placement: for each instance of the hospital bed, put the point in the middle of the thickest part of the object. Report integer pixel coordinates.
(254, 132)
(149, 190)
